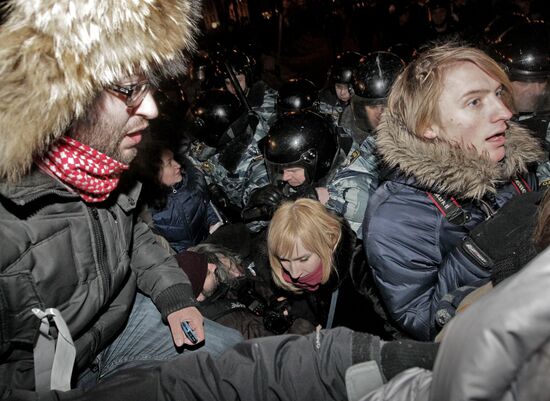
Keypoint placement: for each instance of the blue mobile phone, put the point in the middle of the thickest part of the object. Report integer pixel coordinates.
(189, 333)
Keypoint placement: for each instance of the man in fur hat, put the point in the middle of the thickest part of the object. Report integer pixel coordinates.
(76, 79)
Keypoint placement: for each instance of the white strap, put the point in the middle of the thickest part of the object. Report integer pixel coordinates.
(332, 308)
(53, 357)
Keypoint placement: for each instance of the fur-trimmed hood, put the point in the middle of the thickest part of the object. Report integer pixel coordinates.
(57, 55)
(453, 170)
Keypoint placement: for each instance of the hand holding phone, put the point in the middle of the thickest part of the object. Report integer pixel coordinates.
(189, 333)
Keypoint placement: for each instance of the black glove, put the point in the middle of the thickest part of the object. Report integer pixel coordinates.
(220, 199)
(505, 238)
(263, 203)
(275, 318)
(304, 191)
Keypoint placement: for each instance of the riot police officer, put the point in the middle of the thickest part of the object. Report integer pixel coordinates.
(524, 51)
(254, 94)
(305, 157)
(224, 148)
(371, 84)
(336, 95)
(296, 94)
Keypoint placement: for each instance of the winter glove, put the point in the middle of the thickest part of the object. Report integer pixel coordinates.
(218, 196)
(304, 191)
(262, 204)
(221, 201)
(277, 318)
(504, 241)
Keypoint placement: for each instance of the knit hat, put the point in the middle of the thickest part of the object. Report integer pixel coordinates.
(58, 55)
(195, 266)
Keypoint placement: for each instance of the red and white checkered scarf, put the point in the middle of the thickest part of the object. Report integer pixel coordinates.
(92, 174)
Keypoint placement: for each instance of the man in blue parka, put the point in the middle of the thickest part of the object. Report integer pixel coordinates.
(453, 160)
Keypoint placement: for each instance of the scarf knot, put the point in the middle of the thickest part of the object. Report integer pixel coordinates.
(92, 174)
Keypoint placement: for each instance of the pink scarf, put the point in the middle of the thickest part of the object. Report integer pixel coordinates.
(309, 282)
(92, 174)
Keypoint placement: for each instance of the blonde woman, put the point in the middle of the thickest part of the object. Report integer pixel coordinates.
(310, 252)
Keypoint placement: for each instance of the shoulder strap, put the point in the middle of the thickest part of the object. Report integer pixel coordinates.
(53, 357)
(453, 212)
(449, 208)
(520, 185)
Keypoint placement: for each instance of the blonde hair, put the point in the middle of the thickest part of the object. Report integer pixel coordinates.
(414, 96)
(309, 221)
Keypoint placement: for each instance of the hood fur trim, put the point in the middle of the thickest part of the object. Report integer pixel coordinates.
(57, 55)
(451, 169)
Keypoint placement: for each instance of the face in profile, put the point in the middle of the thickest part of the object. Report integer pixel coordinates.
(528, 95)
(170, 171)
(374, 114)
(294, 176)
(113, 128)
(242, 82)
(472, 111)
(211, 281)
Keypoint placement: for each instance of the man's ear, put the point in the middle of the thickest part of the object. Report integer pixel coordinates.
(431, 132)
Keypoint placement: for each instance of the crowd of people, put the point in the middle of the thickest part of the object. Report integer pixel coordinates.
(172, 232)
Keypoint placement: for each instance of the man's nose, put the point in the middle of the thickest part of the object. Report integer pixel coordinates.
(500, 110)
(148, 107)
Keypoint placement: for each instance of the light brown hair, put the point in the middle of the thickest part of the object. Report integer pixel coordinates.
(414, 96)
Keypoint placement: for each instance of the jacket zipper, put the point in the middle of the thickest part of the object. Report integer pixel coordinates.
(101, 248)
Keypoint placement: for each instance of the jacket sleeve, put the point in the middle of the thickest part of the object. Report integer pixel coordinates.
(411, 268)
(351, 187)
(18, 295)
(412, 384)
(158, 273)
(283, 368)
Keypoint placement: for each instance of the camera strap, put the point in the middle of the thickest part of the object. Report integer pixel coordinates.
(449, 208)
(453, 212)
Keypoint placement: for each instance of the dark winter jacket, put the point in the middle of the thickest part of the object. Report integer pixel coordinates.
(412, 248)
(282, 368)
(84, 260)
(497, 350)
(188, 214)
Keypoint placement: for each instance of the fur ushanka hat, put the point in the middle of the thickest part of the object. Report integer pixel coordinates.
(57, 55)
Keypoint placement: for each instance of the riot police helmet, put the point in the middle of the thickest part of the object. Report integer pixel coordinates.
(302, 139)
(203, 70)
(211, 114)
(239, 62)
(375, 76)
(345, 64)
(524, 50)
(501, 24)
(297, 94)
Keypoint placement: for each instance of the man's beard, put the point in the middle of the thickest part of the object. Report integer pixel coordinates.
(102, 134)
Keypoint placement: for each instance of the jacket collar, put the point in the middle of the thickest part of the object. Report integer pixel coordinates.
(37, 184)
(450, 169)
